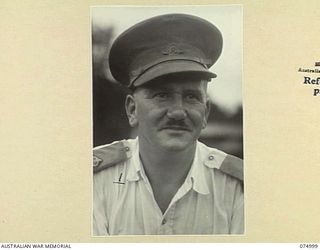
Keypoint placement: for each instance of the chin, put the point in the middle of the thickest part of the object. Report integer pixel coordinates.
(176, 145)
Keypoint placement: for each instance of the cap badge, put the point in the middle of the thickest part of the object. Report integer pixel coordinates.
(172, 49)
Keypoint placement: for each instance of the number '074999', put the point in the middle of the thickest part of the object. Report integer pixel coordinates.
(308, 245)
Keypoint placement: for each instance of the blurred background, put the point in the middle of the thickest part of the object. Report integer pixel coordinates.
(224, 130)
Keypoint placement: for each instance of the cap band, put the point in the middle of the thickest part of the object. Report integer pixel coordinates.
(171, 67)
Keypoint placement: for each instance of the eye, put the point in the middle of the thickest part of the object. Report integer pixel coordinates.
(192, 97)
(161, 95)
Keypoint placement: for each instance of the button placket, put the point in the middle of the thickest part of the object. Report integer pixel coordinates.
(171, 217)
(167, 221)
(163, 227)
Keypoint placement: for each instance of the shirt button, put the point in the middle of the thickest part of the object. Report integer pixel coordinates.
(164, 221)
(127, 148)
(211, 157)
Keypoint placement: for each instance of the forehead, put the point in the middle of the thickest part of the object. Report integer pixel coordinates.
(177, 84)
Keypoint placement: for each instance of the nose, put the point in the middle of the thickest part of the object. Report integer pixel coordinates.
(177, 114)
(176, 111)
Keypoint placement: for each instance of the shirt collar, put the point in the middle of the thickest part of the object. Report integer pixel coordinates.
(136, 171)
(134, 165)
(196, 178)
(197, 173)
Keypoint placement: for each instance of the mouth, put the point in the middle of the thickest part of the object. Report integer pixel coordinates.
(176, 128)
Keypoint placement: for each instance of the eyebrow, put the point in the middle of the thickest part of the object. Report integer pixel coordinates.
(164, 88)
(202, 94)
(158, 88)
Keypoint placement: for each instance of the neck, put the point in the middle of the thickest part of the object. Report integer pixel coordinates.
(164, 166)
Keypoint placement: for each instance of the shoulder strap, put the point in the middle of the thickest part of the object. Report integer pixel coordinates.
(233, 166)
(109, 155)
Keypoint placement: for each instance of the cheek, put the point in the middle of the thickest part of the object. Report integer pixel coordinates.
(197, 114)
(148, 112)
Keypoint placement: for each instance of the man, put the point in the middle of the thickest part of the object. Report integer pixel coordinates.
(165, 181)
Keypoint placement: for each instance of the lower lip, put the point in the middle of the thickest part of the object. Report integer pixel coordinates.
(176, 129)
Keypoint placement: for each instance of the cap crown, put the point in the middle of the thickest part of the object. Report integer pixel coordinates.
(163, 45)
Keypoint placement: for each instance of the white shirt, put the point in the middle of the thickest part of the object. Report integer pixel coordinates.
(208, 202)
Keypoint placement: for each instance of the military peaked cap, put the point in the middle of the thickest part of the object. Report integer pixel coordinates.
(163, 45)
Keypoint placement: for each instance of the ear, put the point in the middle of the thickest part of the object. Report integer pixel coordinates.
(131, 110)
(207, 112)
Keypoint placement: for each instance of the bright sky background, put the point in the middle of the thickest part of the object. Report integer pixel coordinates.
(225, 90)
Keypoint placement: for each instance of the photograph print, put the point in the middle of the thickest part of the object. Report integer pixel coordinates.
(167, 120)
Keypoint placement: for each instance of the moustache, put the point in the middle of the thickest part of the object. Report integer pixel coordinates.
(176, 124)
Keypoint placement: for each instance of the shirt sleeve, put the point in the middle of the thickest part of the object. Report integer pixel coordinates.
(99, 219)
(237, 219)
